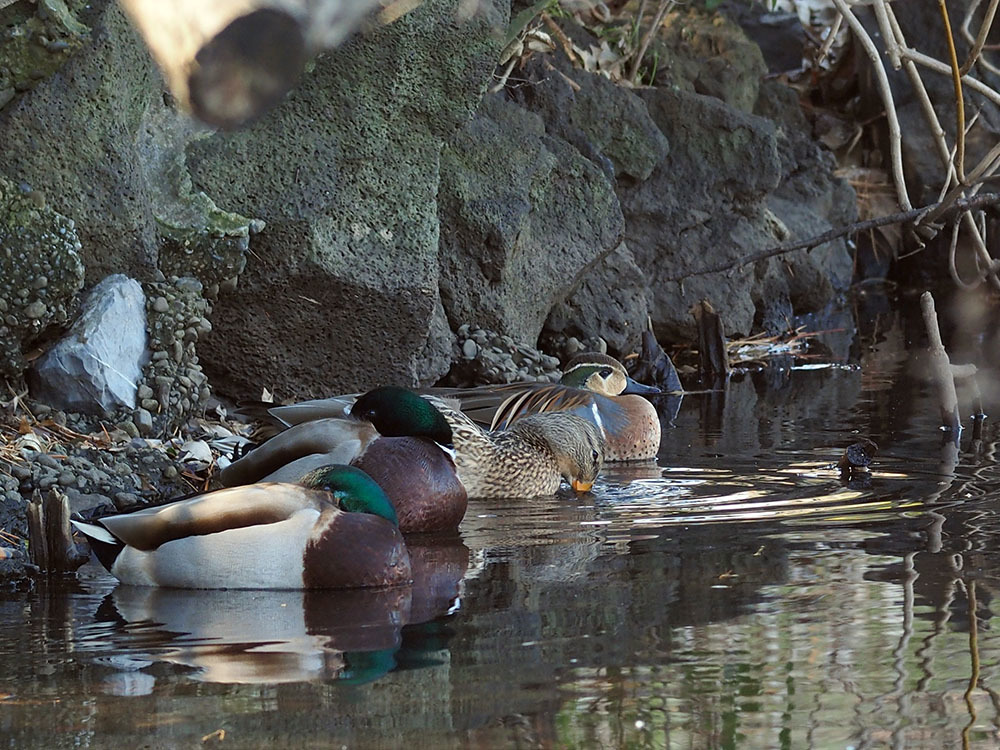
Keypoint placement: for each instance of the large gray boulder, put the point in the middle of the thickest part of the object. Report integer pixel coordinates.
(341, 289)
(704, 207)
(74, 136)
(524, 216)
(611, 126)
(95, 368)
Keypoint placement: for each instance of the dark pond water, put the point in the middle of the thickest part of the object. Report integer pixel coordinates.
(739, 594)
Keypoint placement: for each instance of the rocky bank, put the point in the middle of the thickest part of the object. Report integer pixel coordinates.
(393, 220)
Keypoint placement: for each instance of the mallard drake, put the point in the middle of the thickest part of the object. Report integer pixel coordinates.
(594, 386)
(335, 530)
(410, 458)
(526, 461)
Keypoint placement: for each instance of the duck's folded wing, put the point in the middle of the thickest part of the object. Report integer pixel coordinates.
(320, 408)
(482, 403)
(340, 439)
(507, 403)
(232, 508)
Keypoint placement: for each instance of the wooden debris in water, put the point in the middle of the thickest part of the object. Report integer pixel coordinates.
(942, 371)
(50, 539)
(762, 346)
(711, 342)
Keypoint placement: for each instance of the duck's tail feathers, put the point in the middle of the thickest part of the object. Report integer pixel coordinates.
(106, 545)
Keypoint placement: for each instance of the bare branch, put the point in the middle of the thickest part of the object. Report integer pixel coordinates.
(956, 76)
(882, 81)
(962, 205)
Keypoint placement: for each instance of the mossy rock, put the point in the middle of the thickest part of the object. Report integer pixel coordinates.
(35, 40)
(40, 271)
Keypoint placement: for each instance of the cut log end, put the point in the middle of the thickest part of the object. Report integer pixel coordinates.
(246, 68)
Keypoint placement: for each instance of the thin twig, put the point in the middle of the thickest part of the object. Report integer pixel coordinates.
(882, 81)
(956, 77)
(567, 45)
(984, 30)
(661, 12)
(961, 205)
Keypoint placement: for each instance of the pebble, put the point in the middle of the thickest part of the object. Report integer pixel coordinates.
(143, 420)
(129, 426)
(160, 305)
(67, 479)
(150, 404)
(170, 473)
(484, 356)
(44, 459)
(125, 500)
(36, 310)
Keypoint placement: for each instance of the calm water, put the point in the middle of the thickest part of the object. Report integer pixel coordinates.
(740, 594)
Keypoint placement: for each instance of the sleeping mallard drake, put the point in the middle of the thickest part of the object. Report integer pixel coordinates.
(526, 461)
(335, 530)
(594, 386)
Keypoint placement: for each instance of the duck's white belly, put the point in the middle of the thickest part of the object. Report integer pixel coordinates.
(267, 556)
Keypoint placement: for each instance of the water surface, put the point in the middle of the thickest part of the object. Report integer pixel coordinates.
(738, 593)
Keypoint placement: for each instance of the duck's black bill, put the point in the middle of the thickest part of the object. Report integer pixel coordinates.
(633, 386)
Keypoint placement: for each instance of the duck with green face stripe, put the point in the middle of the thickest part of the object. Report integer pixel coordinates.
(594, 387)
(436, 447)
(408, 453)
(337, 529)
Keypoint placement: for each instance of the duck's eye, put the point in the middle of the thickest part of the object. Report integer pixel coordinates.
(606, 373)
(595, 456)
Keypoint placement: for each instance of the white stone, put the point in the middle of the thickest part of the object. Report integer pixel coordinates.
(96, 367)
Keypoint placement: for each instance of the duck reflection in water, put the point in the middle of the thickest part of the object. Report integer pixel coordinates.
(238, 636)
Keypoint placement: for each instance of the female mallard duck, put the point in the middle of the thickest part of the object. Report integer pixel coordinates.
(528, 460)
(335, 530)
(594, 386)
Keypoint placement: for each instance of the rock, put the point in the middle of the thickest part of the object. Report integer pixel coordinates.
(36, 44)
(36, 242)
(611, 303)
(604, 121)
(167, 394)
(96, 367)
(138, 209)
(780, 35)
(725, 208)
(701, 52)
(496, 359)
(809, 200)
(675, 231)
(526, 215)
(143, 421)
(345, 294)
(89, 115)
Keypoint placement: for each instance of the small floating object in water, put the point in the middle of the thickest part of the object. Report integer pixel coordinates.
(858, 457)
